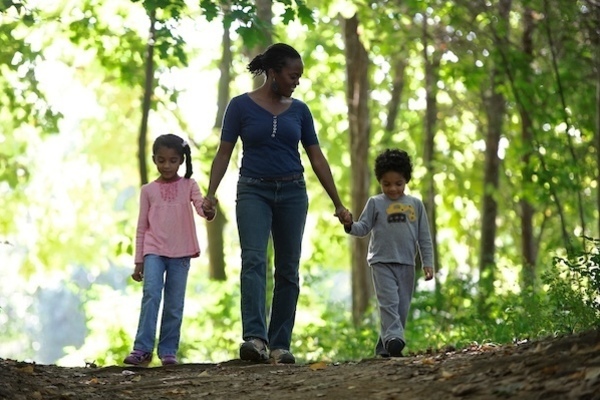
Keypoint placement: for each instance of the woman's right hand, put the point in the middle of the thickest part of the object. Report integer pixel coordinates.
(209, 203)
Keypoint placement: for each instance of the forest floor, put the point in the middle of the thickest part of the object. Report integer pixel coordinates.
(566, 367)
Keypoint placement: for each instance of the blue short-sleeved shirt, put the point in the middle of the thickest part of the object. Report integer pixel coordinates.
(270, 142)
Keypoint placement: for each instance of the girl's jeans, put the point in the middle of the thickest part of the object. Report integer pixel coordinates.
(170, 275)
(265, 208)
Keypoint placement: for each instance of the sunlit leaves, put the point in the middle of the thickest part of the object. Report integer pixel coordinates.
(7, 4)
(210, 8)
(242, 15)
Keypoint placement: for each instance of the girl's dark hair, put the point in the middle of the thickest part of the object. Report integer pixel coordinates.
(176, 143)
(393, 160)
(276, 56)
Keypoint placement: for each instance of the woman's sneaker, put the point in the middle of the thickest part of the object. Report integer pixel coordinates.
(254, 349)
(394, 347)
(282, 356)
(139, 358)
(169, 360)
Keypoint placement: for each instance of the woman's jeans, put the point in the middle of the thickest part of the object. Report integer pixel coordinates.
(170, 275)
(265, 208)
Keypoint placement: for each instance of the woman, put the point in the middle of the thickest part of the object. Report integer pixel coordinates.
(271, 196)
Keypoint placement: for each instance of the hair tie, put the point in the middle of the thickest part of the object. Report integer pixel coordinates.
(184, 143)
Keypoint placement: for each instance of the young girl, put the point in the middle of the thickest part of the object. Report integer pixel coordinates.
(398, 226)
(165, 242)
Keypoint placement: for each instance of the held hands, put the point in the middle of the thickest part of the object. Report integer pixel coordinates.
(343, 215)
(138, 272)
(209, 204)
(428, 273)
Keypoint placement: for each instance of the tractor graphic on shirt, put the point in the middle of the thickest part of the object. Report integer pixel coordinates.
(398, 212)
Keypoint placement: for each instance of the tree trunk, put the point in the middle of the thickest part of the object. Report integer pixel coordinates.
(495, 108)
(528, 248)
(147, 100)
(214, 229)
(264, 12)
(399, 64)
(597, 63)
(431, 66)
(594, 34)
(357, 95)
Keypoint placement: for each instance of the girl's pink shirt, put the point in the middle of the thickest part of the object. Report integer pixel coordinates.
(166, 224)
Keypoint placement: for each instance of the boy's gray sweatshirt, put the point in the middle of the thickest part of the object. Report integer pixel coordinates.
(397, 227)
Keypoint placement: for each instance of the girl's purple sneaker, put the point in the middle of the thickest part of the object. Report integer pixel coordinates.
(169, 360)
(139, 358)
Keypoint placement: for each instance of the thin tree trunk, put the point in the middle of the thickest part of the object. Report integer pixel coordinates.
(495, 109)
(264, 12)
(528, 248)
(399, 64)
(357, 95)
(223, 94)
(147, 100)
(598, 129)
(431, 66)
(214, 229)
(594, 34)
(567, 120)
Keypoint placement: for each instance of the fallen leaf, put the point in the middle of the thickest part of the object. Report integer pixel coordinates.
(592, 374)
(551, 370)
(447, 374)
(204, 373)
(540, 348)
(577, 375)
(318, 365)
(574, 348)
(28, 369)
(488, 347)
(137, 378)
(464, 389)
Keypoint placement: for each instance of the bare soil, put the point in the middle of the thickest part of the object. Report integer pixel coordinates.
(566, 367)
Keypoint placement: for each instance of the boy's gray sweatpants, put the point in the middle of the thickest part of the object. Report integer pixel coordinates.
(394, 285)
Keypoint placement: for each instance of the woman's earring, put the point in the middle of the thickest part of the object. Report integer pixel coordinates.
(274, 86)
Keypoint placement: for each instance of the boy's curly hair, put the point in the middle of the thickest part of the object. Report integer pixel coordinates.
(393, 160)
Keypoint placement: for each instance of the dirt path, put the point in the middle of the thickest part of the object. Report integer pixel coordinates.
(555, 368)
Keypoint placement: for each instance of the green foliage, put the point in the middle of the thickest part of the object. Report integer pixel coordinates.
(72, 201)
(574, 290)
(324, 329)
(7, 4)
(568, 303)
(22, 101)
(335, 337)
(242, 14)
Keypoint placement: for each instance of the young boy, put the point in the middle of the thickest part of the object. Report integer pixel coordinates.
(398, 226)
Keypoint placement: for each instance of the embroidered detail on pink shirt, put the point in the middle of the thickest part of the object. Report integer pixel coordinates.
(168, 190)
